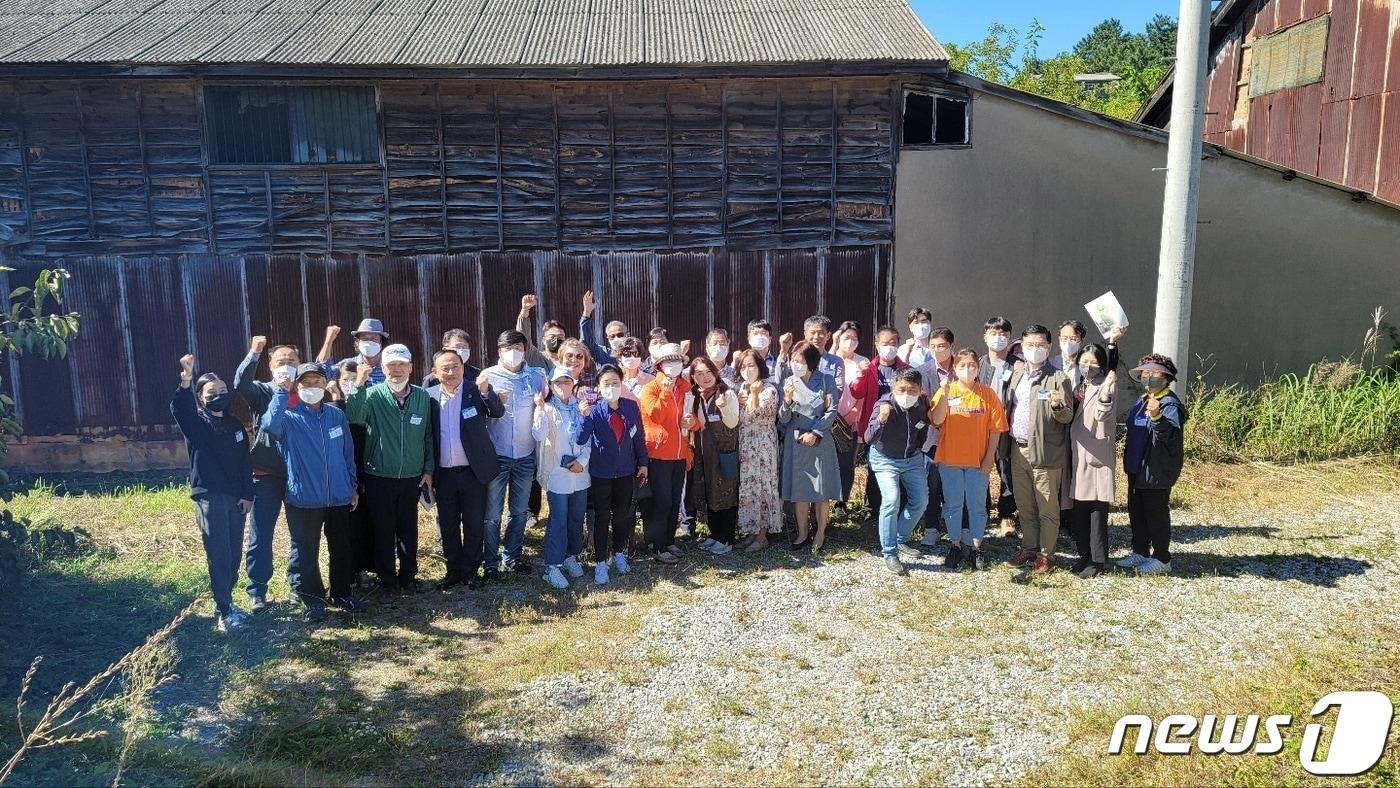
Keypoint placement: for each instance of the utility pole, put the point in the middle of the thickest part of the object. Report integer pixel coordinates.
(1177, 258)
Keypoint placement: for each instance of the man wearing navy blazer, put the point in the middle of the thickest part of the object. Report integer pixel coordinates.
(462, 401)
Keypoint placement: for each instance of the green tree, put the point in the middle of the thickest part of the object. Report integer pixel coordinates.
(1138, 59)
(32, 324)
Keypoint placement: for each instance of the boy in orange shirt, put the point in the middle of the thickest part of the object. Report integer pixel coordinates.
(970, 419)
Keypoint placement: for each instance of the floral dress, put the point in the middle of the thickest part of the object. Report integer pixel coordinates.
(759, 504)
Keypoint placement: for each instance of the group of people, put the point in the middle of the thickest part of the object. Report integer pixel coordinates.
(746, 440)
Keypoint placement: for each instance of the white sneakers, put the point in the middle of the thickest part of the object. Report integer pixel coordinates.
(573, 567)
(600, 574)
(554, 577)
(712, 546)
(1133, 561)
(620, 563)
(233, 619)
(1154, 567)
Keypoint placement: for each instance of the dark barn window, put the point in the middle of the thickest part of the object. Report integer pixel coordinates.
(292, 125)
(934, 120)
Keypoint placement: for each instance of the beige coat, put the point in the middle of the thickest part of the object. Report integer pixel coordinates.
(1092, 442)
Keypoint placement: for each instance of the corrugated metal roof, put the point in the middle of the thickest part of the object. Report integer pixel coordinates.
(483, 33)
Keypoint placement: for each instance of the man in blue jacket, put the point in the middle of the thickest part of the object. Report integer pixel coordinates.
(314, 440)
(466, 463)
(1152, 459)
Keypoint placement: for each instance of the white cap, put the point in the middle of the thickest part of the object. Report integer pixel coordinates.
(395, 353)
(560, 373)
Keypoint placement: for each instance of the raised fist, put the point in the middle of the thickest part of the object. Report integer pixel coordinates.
(257, 345)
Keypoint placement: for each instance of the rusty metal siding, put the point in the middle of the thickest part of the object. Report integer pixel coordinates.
(1337, 129)
(105, 388)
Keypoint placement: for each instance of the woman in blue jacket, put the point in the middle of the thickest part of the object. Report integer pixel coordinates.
(221, 480)
(314, 440)
(1152, 459)
(612, 429)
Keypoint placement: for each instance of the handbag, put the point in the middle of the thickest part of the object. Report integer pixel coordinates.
(844, 436)
(729, 465)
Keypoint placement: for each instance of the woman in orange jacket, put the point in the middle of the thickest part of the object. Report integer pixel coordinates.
(666, 416)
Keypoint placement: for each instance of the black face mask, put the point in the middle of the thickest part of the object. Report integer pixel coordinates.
(217, 403)
(553, 343)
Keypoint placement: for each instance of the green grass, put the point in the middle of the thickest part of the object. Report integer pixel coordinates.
(1336, 410)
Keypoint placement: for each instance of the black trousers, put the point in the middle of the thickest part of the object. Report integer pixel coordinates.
(1150, 518)
(846, 463)
(667, 479)
(304, 569)
(393, 505)
(613, 524)
(723, 523)
(536, 497)
(1089, 524)
(461, 515)
(1006, 500)
(361, 529)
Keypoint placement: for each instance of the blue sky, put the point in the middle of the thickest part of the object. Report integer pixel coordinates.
(1066, 21)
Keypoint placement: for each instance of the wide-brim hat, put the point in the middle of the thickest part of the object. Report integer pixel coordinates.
(371, 326)
(1153, 366)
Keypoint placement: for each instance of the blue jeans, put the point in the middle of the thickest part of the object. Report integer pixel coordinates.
(517, 475)
(964, 488)
(268, 492)
(893, 476)
(563, 534)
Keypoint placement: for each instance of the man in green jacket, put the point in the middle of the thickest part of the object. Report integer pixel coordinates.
(1039, 408)
(399, 462)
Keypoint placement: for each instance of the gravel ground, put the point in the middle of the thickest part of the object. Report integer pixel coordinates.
(841, 673)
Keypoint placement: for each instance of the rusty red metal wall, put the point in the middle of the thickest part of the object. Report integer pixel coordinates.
(1345, 128)
(140, 314)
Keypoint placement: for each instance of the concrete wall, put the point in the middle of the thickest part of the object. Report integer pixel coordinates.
(1045, 212)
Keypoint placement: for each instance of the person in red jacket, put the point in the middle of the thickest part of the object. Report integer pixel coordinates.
(875, 381)
(666, 408)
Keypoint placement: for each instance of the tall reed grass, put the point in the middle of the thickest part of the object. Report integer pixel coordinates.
(1338, 409)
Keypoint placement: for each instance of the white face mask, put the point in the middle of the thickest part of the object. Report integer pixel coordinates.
(1069, 348)
(1035, 355)
(920, 330)
(887, 352)
(611, 393)
(967, 375)
(672, 370)
(564, 393)
(942, 356)
(349, 388)
(369, 348)
(849, 344)
(616, 343)
(759, 342)
(512, 357)
(799, 368)
(906, 401)
(750, 374)
(311, 395)
(630, 362)
(397, 388)
(998, 343)
(464, 353)
(718, 353)
(284, 372)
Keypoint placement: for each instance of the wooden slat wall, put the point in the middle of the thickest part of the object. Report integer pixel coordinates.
(1344, 128)
(116, 166)
(141, 313)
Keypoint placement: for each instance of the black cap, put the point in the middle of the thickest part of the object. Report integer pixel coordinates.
(309, 368)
